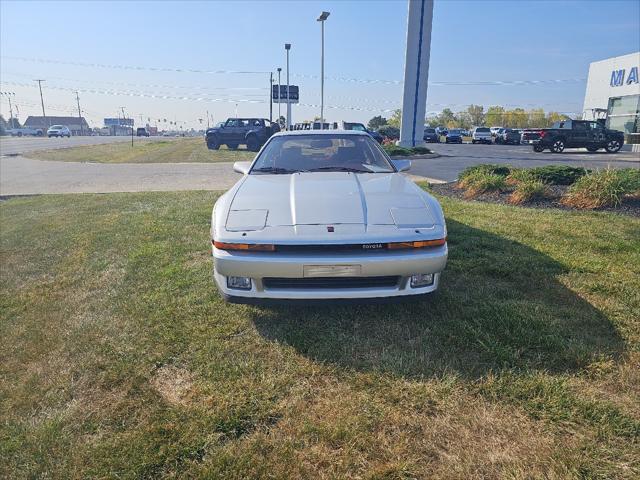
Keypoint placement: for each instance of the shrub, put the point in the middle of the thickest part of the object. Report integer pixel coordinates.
(558, 174)
(501, 170)
(630, 178)
(604, 188)
(520, 175)
(394, 150)
(388, 131)
(480, 182)
(527, 190)
(420, 150)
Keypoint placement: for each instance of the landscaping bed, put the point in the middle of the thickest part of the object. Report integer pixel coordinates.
(558, 187)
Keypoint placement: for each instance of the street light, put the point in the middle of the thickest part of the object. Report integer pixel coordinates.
(323, 16)
(287, 47)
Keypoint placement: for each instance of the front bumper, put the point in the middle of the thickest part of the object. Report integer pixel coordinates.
(257, 266)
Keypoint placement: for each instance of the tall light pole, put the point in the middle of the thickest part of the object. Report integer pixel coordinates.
(279, 115)
(44, 115)
(322, 18)
(287, 47)
(79, 114)
(271, 96)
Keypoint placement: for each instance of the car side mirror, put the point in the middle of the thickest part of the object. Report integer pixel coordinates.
(402, 165)
(242, 167)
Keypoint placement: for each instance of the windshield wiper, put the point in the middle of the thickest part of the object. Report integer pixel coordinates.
(275, 170)
(338, 169)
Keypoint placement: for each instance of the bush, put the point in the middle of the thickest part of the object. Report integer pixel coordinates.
(502, 170)
(395, 150)
(481, 182)
(630, 180)
(558, 174)
(420, 150)
(388, 131)
(528, 189)
(605, 188)
(520, 175)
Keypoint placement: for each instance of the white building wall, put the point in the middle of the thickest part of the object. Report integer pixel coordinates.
(599, 88)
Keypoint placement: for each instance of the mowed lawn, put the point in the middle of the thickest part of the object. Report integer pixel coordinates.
(119, 360)
(175, 150)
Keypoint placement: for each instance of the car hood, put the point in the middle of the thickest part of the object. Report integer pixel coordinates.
(329, 198)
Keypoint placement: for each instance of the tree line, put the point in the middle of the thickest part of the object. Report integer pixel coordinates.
(476, 116)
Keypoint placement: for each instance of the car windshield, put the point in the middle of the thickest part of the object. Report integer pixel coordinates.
(57, 127)
(482, 130)
(454, 132)
(321, 153)
(429, 130)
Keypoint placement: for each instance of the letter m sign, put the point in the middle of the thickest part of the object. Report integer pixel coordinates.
(617, 78)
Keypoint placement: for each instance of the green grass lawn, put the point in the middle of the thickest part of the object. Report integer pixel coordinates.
(177, 150)
(119, 360)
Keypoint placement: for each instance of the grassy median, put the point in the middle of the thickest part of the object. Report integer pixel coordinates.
(119, 360)
(177, 150)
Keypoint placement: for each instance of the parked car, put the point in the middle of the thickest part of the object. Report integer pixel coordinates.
(481, 135)
(453, 136)
(326, 215)
(59, 131)
(252, 132)
(142, 132)
(508, 136)
(494, 131)
(361, 128)
(442, 131)
(578, 134)
(24, 132)
(430, 135)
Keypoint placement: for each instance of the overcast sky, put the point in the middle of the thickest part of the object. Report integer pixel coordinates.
(139, 55)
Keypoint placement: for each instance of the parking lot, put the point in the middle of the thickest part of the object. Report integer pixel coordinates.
(456, 157)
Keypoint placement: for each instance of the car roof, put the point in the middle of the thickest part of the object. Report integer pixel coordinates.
(320, 132)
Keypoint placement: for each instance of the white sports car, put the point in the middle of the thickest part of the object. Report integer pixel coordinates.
(324, 215)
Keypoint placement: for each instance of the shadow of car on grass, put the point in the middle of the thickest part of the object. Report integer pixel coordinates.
(500, 306)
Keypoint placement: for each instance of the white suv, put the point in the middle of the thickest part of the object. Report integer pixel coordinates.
(481, 135)
(58, 131)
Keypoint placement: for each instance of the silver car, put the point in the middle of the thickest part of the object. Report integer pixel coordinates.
(323, 215)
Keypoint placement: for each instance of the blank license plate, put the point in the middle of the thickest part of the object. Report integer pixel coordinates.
(331, 270)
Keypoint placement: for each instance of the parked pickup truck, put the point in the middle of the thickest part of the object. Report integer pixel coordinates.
(252, 132)
(574, 134)
(24, 131)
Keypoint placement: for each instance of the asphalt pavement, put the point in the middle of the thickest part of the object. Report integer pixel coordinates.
(456, 157)
(23, 176)
(19, 145)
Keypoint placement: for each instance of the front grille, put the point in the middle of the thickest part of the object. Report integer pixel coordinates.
(279, 283)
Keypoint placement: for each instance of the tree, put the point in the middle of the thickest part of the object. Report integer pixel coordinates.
(494, 116)
(537, 119)
(476, 113)
(553, 117)
(3, 125)
(376, 122)
(396, 118)
(389, 131)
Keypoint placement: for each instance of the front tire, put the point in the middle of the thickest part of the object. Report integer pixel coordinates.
(213, 143)
(557, 146)
(613, 146)
(252, 143)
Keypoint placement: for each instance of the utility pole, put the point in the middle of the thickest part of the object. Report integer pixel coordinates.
(287, 47)
(322, 18)
(207, 119)
(79, 114)
(44, 115)
(8, 95)
(279, 115)
(271, 96)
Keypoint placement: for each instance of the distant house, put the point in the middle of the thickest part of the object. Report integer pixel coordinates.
(77, 125)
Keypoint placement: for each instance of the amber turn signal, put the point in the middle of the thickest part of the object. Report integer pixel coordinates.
(253, 247)
(417, 244)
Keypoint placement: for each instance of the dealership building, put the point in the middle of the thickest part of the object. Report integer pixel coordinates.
(613, 92)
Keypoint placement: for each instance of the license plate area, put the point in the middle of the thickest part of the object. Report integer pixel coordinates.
(314, 271)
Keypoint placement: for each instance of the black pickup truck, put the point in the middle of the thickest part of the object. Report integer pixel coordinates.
(574, 134)
(252, 132)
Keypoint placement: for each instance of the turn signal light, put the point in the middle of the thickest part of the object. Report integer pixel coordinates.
(253, 247)
(417, 244)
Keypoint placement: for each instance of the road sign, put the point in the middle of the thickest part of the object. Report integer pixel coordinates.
(294, 92)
